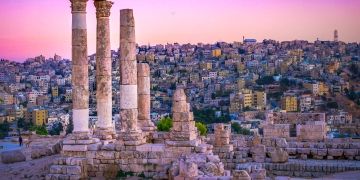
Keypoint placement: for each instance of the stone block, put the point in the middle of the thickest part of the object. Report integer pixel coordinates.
(335, 152)
(73, 170)
(75, 148)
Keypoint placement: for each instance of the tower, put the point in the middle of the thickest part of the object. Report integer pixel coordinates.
(336, 37)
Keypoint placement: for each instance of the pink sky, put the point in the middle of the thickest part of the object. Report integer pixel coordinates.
(32, 27)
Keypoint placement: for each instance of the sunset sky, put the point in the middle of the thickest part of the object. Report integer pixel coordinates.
(32, 27)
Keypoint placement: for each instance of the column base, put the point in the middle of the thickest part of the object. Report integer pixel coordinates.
(105, 133)
(77, 144)
(132, 138)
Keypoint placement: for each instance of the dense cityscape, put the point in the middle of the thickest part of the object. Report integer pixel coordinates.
(242, 82)
(244, 110)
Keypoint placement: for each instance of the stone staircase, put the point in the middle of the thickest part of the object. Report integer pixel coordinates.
(68, 168)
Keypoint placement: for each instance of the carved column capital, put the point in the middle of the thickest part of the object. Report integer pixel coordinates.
(78, 5)
(103, 8)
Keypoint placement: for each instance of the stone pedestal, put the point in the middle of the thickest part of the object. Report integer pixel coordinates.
(143, 77)
(183, 132)
(130, 133)
(104, 127)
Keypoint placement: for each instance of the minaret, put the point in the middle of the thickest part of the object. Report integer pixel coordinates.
(130, 133)
(336, 36)
(80, 77)
(104, 126)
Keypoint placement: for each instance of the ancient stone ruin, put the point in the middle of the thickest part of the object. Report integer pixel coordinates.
(135, 148)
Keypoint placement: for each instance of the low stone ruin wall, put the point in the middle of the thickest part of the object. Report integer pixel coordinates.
(310, 168)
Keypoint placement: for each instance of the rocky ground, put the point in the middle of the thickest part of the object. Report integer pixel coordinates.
(33, 169)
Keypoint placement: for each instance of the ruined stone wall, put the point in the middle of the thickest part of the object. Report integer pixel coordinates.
(276, 130)
(294, 118)
(314, 131)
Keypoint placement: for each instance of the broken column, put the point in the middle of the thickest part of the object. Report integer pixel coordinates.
(104, 127)
(143, 73)
(130, 133)
(222, 138)
(183, 132)
(80, 77)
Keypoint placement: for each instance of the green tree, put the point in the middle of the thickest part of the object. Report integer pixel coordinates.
(239, 130)
(4, 129)
(40, 130)
(165, 124)
(265, 80)
(201, 128)
(56, 129)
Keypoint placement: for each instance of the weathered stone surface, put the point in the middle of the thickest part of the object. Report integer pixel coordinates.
(127, 17)
(335, 152)
(279, 156)
(128, 118)
(13, 156)
(144, 107)
(143, 70)
(75, 148)
(241, 175)
(40, 151)
(143, 85)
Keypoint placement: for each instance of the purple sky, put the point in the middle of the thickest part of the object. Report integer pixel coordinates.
(32, 27)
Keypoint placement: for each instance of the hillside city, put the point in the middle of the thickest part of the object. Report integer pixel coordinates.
(241, 82)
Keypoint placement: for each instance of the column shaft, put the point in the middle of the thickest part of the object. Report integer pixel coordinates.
(144, 101)
(128, 72)
(103, 65)
(80, 77)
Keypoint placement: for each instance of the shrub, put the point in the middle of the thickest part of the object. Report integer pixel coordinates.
(165, 124)
(201, 128)
(40, 130)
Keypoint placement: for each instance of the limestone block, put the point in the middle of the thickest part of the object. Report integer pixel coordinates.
(128, 52)
(180, 106)
(303, 151)
(183, 116)
(12, 156)
(127, 34)
(73, 170)
(74, 147)
(105, 155)
(79, 37)
(281, 143)
(143, 85)
(143, 70)
(350, 152)
(279, 156)
(322, 152)
(127, 17)
(128, 97)
(179, 95)
(79, 55)
(128, 74)
(241, 175)
(335, 152)
(144, 107)
(128, 118)
(188, 169)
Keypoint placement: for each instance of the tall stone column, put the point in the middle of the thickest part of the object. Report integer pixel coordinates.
(143, 73)
(80, 77)
(130, 133)
(104, 127)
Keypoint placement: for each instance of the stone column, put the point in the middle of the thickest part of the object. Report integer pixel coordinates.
(104, 126)
(183, 132)
(143, 73)
(130, 133)
(80, 77)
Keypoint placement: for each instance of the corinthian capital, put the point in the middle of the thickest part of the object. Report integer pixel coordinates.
(103, 8)
(78, 5)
